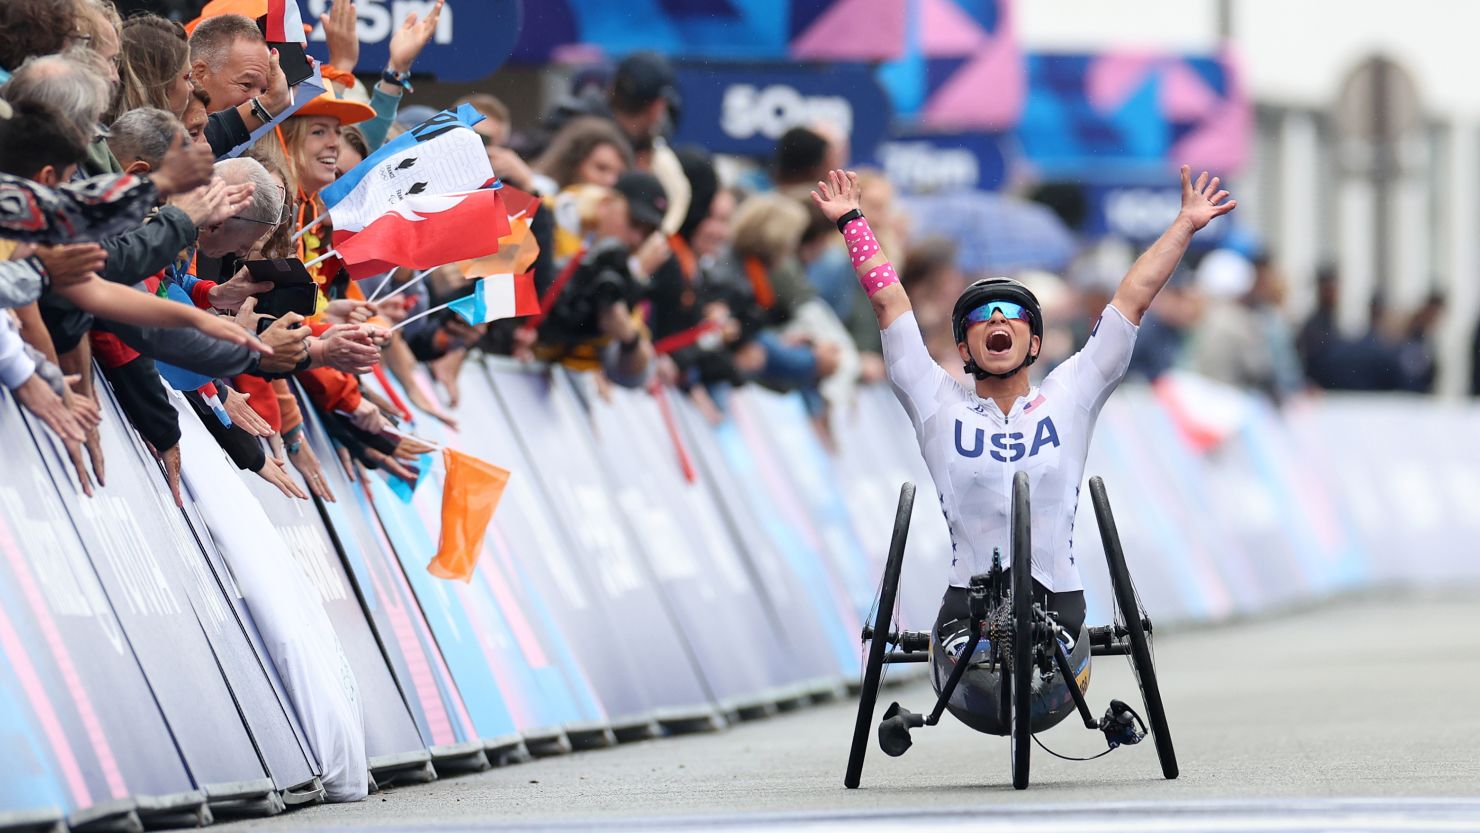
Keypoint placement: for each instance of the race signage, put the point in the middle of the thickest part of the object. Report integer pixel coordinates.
(743, 109)
(1140, 213)
(936, 162)
(472, 39)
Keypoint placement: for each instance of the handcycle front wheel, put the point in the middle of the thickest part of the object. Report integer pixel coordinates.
(1140, 642)
(874, 665)
(1020, 680)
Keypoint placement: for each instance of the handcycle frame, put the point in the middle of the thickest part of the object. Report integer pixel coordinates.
(989, 600)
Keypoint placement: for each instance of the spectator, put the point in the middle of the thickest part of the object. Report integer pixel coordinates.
(767, 285)
(31, 28)
(1416, 365)
(155, 66)
(933, 282)
(587, 151)
(230, 61)
(591, 322)
(496, 129)
(1166, 328)
(1319, 339)
(587, 155)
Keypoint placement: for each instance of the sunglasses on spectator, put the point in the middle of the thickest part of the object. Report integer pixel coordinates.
(1009, 310)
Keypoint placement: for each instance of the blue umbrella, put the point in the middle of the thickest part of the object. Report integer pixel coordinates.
(994, 233)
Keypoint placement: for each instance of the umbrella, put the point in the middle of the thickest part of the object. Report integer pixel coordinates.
(994, 233)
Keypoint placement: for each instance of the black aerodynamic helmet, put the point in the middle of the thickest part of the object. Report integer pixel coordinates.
(996, 289)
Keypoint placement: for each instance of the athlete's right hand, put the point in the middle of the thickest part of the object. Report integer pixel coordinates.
(838, 194)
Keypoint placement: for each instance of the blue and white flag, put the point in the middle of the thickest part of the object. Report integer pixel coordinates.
(442, 155)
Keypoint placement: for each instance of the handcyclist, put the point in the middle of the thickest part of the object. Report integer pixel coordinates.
(975, 439)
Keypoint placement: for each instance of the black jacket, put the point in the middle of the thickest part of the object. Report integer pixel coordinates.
(225, 130)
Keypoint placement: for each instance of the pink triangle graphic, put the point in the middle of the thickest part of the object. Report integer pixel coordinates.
(986, 94)
(1185, 96)
(855, 30)
(1113, 77)
(948, 32)
(1221, 143)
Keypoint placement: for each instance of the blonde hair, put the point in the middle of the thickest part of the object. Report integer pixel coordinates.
(769, 227)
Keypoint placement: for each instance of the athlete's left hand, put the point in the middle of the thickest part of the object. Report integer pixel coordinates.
(837, 195)
(1202, 200)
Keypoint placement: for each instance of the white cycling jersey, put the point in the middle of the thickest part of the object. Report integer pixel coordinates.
(973, 449)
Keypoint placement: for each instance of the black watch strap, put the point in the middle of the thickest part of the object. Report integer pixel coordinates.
(844, 220)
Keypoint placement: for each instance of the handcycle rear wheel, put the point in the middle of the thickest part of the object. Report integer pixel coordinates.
(879, 644)
(1130, 610)
(1021, 678)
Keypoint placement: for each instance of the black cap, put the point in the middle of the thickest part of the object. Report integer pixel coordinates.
(647, 202)
(642, 78)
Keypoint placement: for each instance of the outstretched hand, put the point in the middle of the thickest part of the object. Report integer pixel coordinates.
(838, 194)
(412, 37)
(1202, 200)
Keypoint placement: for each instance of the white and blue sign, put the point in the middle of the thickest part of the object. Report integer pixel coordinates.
(471, 42)
(1140, 213)
(742, 109)
(936, 162)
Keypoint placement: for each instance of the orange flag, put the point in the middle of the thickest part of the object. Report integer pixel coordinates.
(470, 493)
(518, 249)
(516, 253)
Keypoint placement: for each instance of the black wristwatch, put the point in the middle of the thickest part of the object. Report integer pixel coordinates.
(397, 79)
(844, 220)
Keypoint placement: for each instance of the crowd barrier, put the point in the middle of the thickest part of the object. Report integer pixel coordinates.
(647, 573)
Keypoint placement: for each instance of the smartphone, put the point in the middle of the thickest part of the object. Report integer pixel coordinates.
(293, 288)
(297, 67)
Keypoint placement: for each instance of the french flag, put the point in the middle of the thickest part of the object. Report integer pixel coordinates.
(284, 22)
(425, 232)
(499, 296)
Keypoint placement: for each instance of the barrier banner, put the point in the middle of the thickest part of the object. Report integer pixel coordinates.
(235, 644)
(84, 696)
(1276, 537)
(31, 781)
(549, 422)
(791, 580)
(690, 555)
(789, 436)
(503, 650)
(747, 444)
(1413, 511)
(531, 566)
(870, 474)
(1162, 505)
(410, 702)
(250, 674)
(139, 547)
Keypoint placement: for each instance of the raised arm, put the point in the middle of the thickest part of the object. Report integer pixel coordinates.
(838, 199)
(1201, 202)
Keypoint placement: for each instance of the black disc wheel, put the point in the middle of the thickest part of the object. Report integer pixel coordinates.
(878, 645)
(1021, 678)
(1131, 615)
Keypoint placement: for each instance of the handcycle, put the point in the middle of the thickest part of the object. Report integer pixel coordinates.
(1009, 668)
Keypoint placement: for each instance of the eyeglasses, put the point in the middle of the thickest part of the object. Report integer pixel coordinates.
(1009, 310)
(283, 217)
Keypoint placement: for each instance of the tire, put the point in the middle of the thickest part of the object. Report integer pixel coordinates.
(1021, 679)
(1125, 602)
(874, 666)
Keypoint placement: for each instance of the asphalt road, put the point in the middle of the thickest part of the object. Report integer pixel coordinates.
(1361, 714)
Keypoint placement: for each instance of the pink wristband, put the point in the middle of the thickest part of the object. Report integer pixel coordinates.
(861, 246)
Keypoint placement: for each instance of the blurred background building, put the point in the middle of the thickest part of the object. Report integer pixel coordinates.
(1347, 130)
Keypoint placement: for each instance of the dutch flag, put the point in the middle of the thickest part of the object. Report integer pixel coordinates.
(284, 22)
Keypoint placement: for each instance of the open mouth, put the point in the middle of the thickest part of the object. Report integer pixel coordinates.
(328, 161)
(999, 342)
